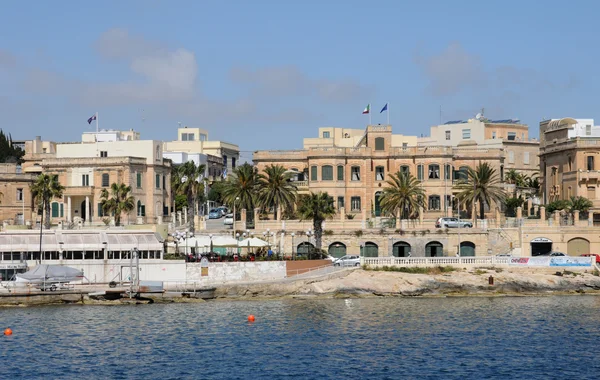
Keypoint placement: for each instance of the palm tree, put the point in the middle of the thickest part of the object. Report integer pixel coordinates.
(317, 207)
(581, 204)
(43, 190)
(403, 196)
(511, 176)
(119, 200)
(275, 189)
(483, 186)
(185, 180)
(533, 183)
(242, 184)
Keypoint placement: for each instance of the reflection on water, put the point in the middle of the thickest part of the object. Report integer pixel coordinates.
(387, 338)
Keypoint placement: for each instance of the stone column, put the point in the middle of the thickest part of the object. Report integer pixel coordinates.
(242, 218)
(543, 213)
(557, 217)
(185, 215)
(519, 212)
(179, 218)
(69, 217)
(536, 208)
(529, 202)
(576, 217)
(498, 217)
(342, 212)
(278, 213)
(256, 220)
(421, 212)
(88, 217)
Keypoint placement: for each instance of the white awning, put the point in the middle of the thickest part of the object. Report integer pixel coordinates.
(129, 241)
(19, 242)
(81, 242)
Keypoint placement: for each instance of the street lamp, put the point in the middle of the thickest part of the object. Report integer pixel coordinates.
(308, 235)
(234, 215)
(237, 237)
(293, 234)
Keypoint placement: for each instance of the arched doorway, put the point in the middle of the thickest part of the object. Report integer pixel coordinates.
(578, 247)
(370, 249)
(377, 203)
(337, 249)
(434, 249)
(83, 211)
(401, 249)
(541, 246)
(305, 248)
(467, 248)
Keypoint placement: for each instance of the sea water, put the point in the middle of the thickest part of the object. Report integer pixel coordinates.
(383, 338)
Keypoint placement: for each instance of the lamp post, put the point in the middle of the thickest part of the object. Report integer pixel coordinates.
(308, 235)
(234, 215)
(293, 234)
(237, 237)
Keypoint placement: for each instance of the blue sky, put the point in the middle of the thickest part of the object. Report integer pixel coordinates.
(264, 74)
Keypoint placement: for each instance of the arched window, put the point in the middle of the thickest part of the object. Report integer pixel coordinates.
(370, 249)
(327, 173)
(337, 249)
(304, 248)
(420, 172)
(434, 249)
(434, 171)
(401, 249)
(467, 248)
(405, 169)
(434, 202)
(105, 180)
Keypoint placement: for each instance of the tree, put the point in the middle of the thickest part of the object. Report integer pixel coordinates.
(317, 207)
(8, 152)
(242, 184)
(533, 183)
(580, 204)
(483, 186)
(185, 180)
(215, 194)
(512, 204)
(116, 202)
(275, 189)
(403, 196)
(45, 188)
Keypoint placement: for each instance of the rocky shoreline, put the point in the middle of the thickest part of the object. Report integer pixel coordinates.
(360, 283)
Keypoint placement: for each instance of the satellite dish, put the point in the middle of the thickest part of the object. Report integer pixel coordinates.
(478, 116)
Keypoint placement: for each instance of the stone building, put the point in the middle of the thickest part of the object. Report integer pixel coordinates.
(16, 204)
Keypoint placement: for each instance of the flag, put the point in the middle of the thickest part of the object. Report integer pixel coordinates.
(367, 109)
(91, 119)
(384, 108)
(225, 173)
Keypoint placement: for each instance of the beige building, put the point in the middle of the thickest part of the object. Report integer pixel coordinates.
(570, 160)
(354, 165)
(195, 141)
(16, 205)
(103, 158)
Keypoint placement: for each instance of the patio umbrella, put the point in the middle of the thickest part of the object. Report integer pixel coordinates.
(253, 242)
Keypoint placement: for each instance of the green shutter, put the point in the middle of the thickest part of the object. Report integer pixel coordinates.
(420, 172)
(62, 210)
(157, 181)
(379, 143)
(313, 173)
(139, 180)
(100, 212)
(143, 210)
(327, 173)
(340, 173)
(54, 210)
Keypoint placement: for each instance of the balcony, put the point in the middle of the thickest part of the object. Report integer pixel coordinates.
(589, 175)
(73, 191)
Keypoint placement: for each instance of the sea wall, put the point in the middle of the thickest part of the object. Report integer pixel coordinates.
(219, 273)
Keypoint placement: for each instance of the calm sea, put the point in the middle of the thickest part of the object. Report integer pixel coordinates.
(387, 338)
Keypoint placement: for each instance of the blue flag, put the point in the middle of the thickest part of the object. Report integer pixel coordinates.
(384, 108)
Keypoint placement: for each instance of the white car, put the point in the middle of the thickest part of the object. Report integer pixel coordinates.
(228, 221)
(347, 261)
(452, 223)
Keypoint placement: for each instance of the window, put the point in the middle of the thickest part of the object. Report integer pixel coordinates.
(466, 134)
(100, 210)
(327, 173)
(493, 135)
(233, 162)
(55, 211)
(20, 194)
(511, 136)
(588, 130)
(157, 181)
(434, 171)
(103, 153)
(526, 158)
(404, 145)
(355, 173)
(434, 202)
(62, 210)
(405, 169)
(448, 171)
(224, 161)
(590, 163)
(141, 209)
(379, 143)
(511, 157)
(325, 135)
(85, 180)
(164, 182)
(203, 137)
(379, 173)
(105, 180)
(139, 180)
(462, 174)
(340, 202)
(340, 173)
(448, 201)
(313, 173)
(447, 135)
(570, 164)
(355, 204)
(187, 137)
(420, 172)
(44, 150)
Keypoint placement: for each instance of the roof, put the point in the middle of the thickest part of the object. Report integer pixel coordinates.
(564, 121)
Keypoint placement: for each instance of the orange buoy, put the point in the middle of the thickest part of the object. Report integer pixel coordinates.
(7, 331)
(251, 318)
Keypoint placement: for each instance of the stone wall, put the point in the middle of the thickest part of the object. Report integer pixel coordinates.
(222, 273)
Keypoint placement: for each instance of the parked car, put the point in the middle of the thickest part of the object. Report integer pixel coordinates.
(452, 223)
(555, 253)
(592, 254)
(504, 255)
(214, 214)
(223, 210)
(347, 261)
(228, 220)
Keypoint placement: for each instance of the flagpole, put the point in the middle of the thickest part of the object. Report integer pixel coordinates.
(369, 113)
(96, 122)
(388, 113)
(97, 152)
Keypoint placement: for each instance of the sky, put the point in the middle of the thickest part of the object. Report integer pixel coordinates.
(264, 74)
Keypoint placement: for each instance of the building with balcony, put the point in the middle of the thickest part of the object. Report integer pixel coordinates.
(354, 165)
(100, 159)
(16, 205)
(570, 160)
(195, 141)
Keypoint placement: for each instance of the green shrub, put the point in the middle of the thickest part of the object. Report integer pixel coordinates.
(414, 270)
(358, 233)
